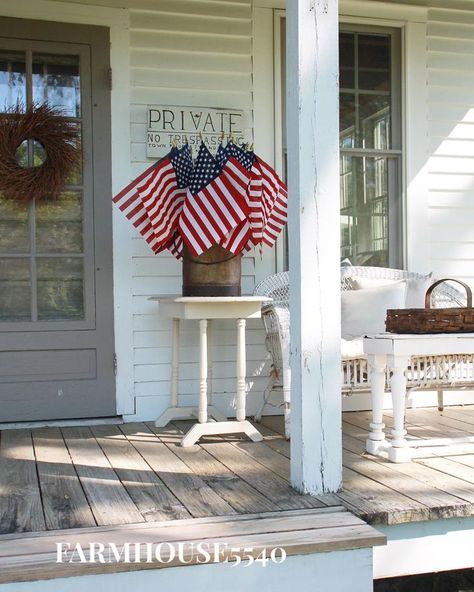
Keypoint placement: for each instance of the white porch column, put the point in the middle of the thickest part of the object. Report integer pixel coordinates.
(313, 174)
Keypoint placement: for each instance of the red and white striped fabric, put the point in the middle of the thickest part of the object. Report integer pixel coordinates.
(258, 213)
(163, 201)
(216, 209)
(130, 203)
(275, 203)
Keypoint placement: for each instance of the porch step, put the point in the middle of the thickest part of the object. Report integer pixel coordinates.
(33, 556)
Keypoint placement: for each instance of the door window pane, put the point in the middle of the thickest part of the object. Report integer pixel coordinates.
(12, 79)
(14, 226)
(59, 224)
(15, 289)
(56, 81)
(60, 288)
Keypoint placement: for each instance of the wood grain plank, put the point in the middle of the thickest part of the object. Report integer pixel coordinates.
(151, 496)
(64, 502)
(262, 479)
(414, 482)
(109, 501)
(273, 439)
(301, 534)
(239, 494)
(460, 414)
(450, 426)
(198, 498)
(20, 498)
(275, 423)
(378, 504)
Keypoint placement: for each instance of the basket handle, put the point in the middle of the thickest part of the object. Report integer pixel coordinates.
(433, 286)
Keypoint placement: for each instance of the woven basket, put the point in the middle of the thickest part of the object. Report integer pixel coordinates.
(432, 320)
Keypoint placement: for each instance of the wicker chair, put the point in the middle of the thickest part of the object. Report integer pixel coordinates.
(440, 373)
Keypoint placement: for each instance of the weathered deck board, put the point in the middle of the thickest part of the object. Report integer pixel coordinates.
(20, 498)
(27, 558)
(147, 490)
(237, 493)
(411, 481)
(137, 474)
(199, 499)
(259, 477)
(108, 498)
(64, 502)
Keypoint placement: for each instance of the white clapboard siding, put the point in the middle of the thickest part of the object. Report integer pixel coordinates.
(450, 63)
(198, 53)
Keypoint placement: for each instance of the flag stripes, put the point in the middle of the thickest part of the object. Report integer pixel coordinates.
(237, 201)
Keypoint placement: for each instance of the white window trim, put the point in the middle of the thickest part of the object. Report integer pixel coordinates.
(118, 21)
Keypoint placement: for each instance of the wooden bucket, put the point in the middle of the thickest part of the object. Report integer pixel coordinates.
(216, 272)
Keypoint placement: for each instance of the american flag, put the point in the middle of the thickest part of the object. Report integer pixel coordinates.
(216, 202)
(163, 194)
(239, 237)
(131, 205)
(275, 203)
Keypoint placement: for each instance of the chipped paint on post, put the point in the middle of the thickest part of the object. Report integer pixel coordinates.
(313, 165)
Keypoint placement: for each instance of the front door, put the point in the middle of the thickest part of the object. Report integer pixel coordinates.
(56, 308)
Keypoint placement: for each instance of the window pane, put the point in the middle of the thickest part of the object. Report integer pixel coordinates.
(346, 59)
(15, 289)
(374, 51)
(374, 121)
(60, 289)
(56, 81)
(347, 120)
(12, 79)
(14, 226)
(364, 210)
(59, 224)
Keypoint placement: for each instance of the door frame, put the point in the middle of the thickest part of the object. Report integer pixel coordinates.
(118, 22)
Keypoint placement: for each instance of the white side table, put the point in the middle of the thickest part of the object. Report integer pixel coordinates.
(205, 310)
(394, 351)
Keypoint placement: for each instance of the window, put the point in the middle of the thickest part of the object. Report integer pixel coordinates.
(370, 144)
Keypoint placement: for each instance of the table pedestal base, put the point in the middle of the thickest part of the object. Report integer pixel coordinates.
(221, 427)
(375, 447)
(187, 413)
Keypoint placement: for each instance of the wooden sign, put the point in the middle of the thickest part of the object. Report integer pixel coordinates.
(166, 124)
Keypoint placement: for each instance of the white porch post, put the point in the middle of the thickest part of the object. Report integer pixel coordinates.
(313, 174)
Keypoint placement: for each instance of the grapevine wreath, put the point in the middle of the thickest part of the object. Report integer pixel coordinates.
(58, 137)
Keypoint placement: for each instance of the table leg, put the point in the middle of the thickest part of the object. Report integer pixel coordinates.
(376, 440)
(175, 363)
(241, 370)
(212, 411)
(174, 412)
(203, 371)
(399, 450)
(241, 425)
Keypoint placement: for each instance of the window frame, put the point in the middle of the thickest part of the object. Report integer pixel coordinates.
(394, 155)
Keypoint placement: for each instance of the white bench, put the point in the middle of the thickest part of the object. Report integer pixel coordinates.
(430, 373)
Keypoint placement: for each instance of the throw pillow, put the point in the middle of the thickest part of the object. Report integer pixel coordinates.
(363, 311)
(416, 288)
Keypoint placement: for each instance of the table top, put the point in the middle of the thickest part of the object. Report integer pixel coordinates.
(213, 299)
(205, 307)
(416, 344)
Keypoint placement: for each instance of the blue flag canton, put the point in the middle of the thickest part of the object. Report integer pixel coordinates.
(244, 157)
(182, 161)
(221, 155)
(206, 170)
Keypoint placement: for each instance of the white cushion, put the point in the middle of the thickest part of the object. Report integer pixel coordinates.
(363, 311)
(416, 288)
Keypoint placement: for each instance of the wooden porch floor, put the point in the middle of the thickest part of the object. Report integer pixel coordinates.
(53, 478)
